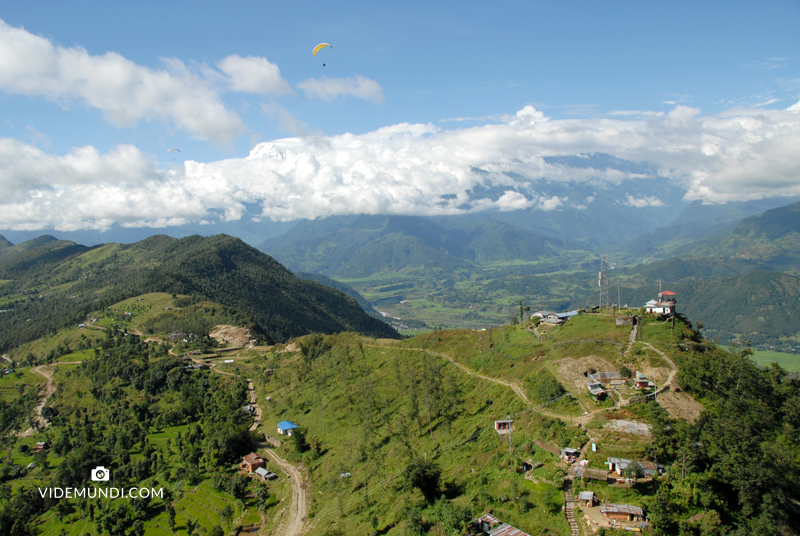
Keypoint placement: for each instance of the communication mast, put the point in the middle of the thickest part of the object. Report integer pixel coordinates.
(602, 281)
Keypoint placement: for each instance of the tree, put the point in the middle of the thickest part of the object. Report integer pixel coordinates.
(424, 475)
(262, 498)
(226, 514)
(238, 486)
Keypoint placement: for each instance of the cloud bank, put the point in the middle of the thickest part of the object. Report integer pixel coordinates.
(407, 169)
(127, 92)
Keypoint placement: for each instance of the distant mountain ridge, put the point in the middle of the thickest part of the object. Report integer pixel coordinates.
(772, 237)
(358, 246)
(694, 226)
(64, 281)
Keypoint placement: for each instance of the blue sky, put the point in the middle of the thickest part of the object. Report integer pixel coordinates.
(462, 69)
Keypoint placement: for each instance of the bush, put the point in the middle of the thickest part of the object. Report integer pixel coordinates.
(543, 386)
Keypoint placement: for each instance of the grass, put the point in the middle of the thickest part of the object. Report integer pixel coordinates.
(10, 383)
(790, 362)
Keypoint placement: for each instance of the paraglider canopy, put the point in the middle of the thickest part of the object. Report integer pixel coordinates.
(320, 47)
(168, 150)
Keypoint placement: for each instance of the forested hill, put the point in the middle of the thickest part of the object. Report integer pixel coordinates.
(772, 238)
(58, 283)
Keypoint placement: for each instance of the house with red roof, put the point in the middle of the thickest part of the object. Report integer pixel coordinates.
(664, 305)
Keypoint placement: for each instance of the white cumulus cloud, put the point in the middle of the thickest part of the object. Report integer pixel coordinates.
(125, 91)
(406, 168)
(328, 89)
(254, 75)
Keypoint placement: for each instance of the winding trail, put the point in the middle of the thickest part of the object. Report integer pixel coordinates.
(671, 364)
(49, 389)
(518, 390)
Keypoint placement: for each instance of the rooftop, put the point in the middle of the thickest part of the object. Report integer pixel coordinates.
(611, 508)
(287, 425)
(507, 530)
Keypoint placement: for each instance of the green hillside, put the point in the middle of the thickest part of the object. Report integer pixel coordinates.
(58, 284)
(397, 437)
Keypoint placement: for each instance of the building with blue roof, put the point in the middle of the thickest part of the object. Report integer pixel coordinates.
(286, 427)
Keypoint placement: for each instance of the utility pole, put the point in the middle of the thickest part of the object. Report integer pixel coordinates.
(510, 428)
(602, 282)
(619, 301)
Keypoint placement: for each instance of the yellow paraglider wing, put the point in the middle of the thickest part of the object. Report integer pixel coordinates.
(320, 47)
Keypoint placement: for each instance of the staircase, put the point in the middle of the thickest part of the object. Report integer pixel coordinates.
(569, 503)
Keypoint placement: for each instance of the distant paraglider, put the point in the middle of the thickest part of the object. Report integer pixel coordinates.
(168, 150)
(320, 47)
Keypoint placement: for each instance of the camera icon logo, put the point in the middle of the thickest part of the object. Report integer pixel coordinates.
(100, 474)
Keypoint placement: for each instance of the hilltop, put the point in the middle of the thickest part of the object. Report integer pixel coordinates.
(411, 426)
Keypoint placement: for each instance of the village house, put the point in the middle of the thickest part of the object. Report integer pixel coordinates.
(596, 390)
(252, 461)
(622, 512)
(505, 529)
(485, 523)
(40, 446)
(589, 473)
(618, 465)
(263, 474)
(488, 524)
(286, 427)
(569, 455)
(650, 469)
(664, 305)
(559, 318)
(587, 498)
(641, 381)
(504, 427)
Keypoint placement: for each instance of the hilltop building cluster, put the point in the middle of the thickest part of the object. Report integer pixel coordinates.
(664, 305)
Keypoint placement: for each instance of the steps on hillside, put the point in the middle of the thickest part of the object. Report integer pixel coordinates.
(569, 503)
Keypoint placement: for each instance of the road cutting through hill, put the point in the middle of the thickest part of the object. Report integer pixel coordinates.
(49, 389)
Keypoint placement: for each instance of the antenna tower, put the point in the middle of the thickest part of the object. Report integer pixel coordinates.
(602, 281)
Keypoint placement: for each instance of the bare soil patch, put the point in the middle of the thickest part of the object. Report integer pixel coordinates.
(629, 427)
(291, 347)
(680, 405)
(231, 335)
(574, 369)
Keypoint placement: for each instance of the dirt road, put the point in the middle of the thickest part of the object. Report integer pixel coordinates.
(295, 523)
(49, 389)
